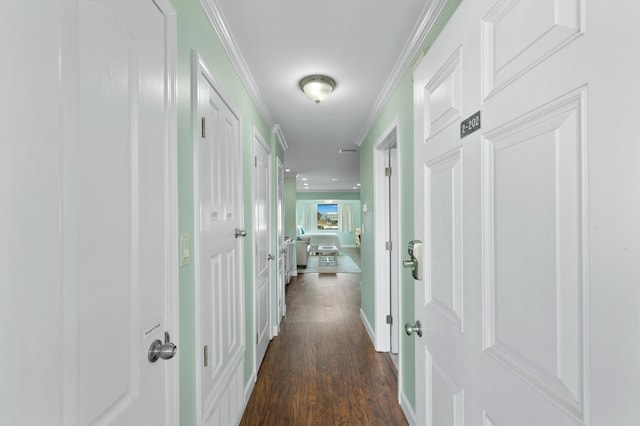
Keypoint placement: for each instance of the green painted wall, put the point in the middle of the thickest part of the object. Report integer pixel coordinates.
(399, 106)
(196, 33)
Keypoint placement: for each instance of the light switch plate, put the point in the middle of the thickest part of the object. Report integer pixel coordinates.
(185, 251)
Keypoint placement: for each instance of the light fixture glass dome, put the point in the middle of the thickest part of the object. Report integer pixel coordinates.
(317, 87)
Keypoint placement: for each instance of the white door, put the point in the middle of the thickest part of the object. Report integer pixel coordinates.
(284, 259)
(529, 298)
(89, 284)
(219, 254)
(262, 234)
(125, 202)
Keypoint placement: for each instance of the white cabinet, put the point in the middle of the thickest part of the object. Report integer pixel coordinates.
(289, 261)
(302, 247)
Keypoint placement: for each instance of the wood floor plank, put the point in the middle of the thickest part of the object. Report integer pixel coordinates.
(322, 369)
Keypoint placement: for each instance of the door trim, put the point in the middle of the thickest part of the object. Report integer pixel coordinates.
(171, 208)
(281, 309)
(256, 137)
(389, 137)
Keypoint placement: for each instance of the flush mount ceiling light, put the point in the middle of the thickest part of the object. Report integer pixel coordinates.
(317, 87)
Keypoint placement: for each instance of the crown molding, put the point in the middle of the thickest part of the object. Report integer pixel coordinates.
(277, 131)
(230, 46)
(410, 50)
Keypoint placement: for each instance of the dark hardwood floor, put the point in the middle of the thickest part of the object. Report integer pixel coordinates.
(322, 369)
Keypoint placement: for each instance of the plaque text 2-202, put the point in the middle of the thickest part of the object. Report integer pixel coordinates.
(470, 125)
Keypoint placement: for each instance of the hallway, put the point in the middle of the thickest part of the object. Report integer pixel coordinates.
(322, 368)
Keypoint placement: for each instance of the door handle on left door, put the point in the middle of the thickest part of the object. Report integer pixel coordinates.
(271, 257)
(159, 350)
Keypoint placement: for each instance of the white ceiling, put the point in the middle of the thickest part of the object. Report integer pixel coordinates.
(364, 45)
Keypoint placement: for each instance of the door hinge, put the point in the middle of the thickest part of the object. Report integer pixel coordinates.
(389, 319)
(206, 355)
(387, 171)
(388, 245)
(204, 133)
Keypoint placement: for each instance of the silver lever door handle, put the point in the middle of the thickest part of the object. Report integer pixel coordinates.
(240, 233)
(410, 329)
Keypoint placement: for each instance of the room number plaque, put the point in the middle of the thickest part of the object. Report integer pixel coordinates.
(470, 125)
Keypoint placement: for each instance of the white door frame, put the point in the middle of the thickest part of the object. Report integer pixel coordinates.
(173, 290)
(256, 138)
(382, 291)
(281, 306)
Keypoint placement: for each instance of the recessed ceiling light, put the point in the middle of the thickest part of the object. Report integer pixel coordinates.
(304, 179)
(287, 170)
(357, 184)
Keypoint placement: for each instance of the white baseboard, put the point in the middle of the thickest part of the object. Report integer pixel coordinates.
(368, 327)
(407, 409)
(248, 389)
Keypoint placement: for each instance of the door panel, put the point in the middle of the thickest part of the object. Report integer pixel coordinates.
(518, 35)
(443, 184)
(218, 259)
(533, 216)
(447, 398)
